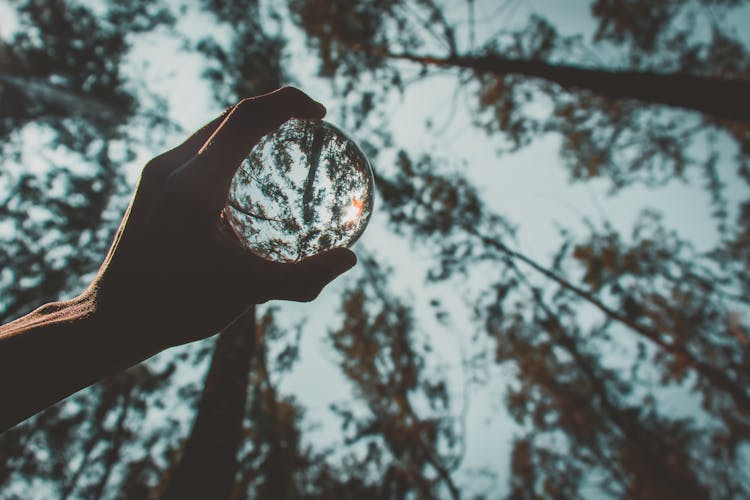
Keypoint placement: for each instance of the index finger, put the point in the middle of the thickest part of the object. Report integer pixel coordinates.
(244, 126)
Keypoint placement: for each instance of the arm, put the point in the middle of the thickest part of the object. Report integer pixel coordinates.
(55, 351)
(174, 274)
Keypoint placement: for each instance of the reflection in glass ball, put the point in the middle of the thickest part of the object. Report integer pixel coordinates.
(303, 189)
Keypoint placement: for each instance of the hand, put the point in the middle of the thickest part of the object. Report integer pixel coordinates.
(174, 273)
(175, 270)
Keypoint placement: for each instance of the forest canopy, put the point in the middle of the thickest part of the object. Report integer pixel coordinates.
(552, 297)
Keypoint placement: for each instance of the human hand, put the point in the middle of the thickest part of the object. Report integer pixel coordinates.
(175, 272)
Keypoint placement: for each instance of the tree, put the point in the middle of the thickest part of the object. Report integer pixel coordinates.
(583, 349)
(207, 464)
(676, 302)
(58, 212)
(409, 451)
(64, 42)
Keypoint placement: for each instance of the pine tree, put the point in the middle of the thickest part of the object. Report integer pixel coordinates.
(586, 425)
(652, 287)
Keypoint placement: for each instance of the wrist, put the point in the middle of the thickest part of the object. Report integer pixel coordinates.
(58, 349)
(51, 315)
(118, 325)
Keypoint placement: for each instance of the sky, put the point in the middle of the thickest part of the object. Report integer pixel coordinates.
(530, 186)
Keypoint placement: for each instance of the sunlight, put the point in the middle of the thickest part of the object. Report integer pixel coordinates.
(353, 212)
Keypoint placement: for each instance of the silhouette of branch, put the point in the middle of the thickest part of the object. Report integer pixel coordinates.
(569, 345)
(647, 440)
(717, 377)
(95, 437)
(724, 98)
(237, 207)
(73, 103)
(113, 452)
(402, 401)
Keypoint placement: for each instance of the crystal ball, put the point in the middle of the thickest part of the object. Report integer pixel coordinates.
(303, 189)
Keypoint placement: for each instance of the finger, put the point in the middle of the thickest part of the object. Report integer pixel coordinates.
(303, 281)
(253, 118)
(151, 181)
(211, 171)
(180, 154)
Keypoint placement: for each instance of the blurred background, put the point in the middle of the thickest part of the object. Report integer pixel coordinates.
(552, 296)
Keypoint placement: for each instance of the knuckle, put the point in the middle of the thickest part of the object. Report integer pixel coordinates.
(286, 94)
(244, 108)
(153, 168)
(289, 91)
(244, 103)
(248, 111)
(252, 107)
(155, 172)
(292, 95)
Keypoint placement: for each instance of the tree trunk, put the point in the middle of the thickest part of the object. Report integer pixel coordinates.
(723, 98)
(209, 459)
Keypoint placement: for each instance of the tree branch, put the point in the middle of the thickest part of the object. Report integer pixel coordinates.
(73, 103)
(723, 98)
(113, 452)
(715, 376)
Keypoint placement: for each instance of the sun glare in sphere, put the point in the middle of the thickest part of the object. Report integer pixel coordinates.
(353, 212)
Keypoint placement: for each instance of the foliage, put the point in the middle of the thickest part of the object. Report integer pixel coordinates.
(596, 342)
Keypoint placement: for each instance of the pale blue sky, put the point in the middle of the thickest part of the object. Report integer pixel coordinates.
(531, 187)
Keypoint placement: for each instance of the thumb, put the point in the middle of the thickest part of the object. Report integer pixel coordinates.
(307, 278)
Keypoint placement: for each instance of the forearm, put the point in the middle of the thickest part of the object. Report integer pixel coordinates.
(57, 350)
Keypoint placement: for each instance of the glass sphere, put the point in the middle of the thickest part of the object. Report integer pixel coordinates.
(303, 189)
